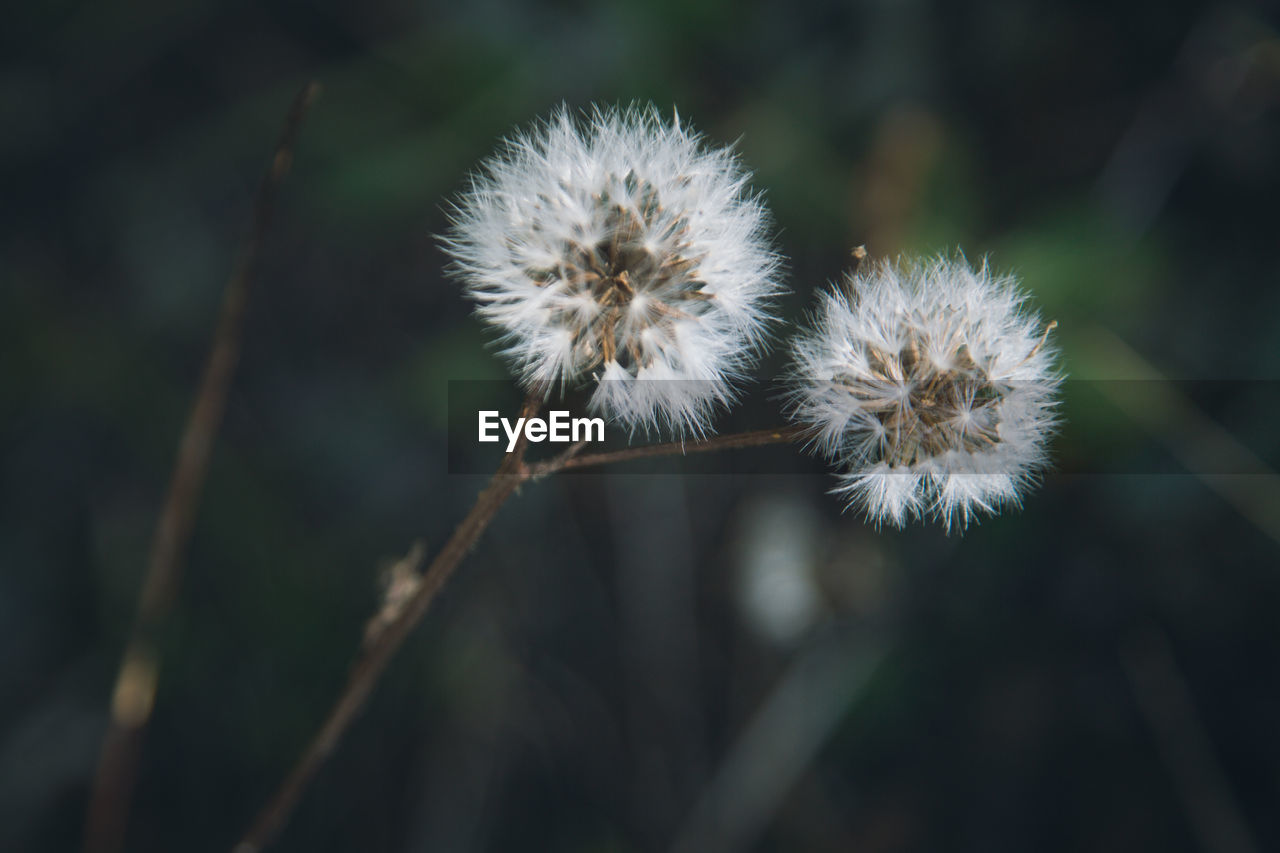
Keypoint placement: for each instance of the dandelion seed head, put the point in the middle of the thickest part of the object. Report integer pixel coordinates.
(618, 251)
(931, 386)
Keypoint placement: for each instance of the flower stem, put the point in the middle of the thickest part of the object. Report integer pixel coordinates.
(755, 438)
(379, 651)
(511, 474)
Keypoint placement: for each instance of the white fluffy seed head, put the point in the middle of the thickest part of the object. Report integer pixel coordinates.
(618, 251)
(931, 386)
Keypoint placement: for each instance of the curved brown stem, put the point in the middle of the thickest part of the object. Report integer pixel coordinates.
(382, 645)
(133, 696)
(735, 441)
(380, 648)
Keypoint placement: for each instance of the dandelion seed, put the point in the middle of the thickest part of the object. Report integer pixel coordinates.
(930, 386)
(619, 252)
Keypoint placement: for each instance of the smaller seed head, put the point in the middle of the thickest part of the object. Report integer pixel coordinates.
(930, 386)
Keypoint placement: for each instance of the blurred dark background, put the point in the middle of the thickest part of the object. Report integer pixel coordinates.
(641, 660)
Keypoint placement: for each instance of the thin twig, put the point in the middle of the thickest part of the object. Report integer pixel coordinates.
(379, 649)
(133, 696)
(755, 438)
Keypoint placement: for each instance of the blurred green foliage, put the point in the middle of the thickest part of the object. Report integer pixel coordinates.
(591, 667)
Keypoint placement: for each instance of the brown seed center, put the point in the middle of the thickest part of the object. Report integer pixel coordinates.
(645, 254)
(935, 409)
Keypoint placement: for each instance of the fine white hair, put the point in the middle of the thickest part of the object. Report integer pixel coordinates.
(616, 250)
(931, 386)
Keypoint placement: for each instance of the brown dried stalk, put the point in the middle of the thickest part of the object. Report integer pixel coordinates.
(135, 687)
(395, 627)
